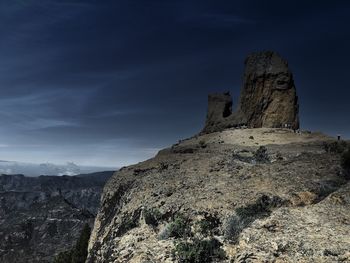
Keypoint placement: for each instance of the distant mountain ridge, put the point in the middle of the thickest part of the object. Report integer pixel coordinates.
(32, 169)
(42, 216)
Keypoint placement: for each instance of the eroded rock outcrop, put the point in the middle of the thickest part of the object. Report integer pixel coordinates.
(268, 97)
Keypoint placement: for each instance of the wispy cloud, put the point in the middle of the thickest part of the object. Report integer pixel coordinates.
(33, 112)
(21, 145)
(49, 123)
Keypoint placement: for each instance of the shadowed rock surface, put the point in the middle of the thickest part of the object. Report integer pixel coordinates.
(254, 195)
(268, 97)
(219, 111)
(42, 216)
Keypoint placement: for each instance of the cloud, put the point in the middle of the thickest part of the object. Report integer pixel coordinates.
(49, 123)
(21, 145)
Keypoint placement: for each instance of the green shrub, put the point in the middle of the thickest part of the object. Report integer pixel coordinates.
(79, 252)
(152, 216)
(128, 223)
(178, 228)
(199, 251)
(234, 226)
(208, 225)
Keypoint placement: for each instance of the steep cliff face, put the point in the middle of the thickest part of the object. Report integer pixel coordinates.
(240, 195)
(268, 97)
(219, 112)
(41, 216)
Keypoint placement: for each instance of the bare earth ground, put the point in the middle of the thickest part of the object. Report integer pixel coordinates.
(303, 192)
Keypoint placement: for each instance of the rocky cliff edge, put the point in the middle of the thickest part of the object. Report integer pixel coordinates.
(244, 195)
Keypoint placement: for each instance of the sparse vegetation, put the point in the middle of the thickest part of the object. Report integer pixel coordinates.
(245, 215)
(152, 216)
(324, 188)
(199, 251)
(336, 146)
(202, 144)
(128, 223)
(261, 155)
(208, 225)
(79, 252)
(178, 228)
(234, 226)
(162, 166)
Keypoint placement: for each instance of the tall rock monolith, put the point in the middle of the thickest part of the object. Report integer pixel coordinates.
(268, 97)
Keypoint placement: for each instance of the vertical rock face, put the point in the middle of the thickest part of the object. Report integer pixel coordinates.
(268, 97)
(219, 109)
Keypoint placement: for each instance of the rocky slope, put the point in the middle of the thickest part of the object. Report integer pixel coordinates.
(239, 195)
(42, 216)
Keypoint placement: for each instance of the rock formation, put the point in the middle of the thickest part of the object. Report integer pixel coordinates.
(219, 111)
(268, 97)
(235, 195)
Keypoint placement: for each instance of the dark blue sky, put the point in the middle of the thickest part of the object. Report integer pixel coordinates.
(111, 82)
